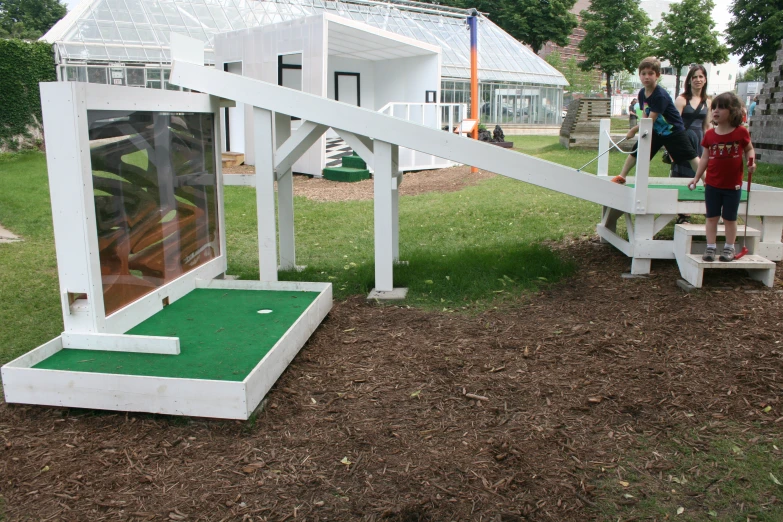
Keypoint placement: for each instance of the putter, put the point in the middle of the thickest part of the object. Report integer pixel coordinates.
(747, 207)
(597, 157)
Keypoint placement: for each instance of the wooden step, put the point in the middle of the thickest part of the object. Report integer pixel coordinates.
(233, 159)
(748, 262)
(691, 229)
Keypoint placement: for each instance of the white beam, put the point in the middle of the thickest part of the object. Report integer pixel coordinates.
(603, 146)
(263, 145)
(285, 198)
(435, 142)
(299, 142)
(384, 230)
(642, 166)
(361, 145)
(121, 343)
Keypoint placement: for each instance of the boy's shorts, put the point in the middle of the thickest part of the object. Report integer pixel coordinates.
(677, 144)
(726, 199)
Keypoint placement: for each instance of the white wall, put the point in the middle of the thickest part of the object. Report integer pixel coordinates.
(258, 49)
(406, 79)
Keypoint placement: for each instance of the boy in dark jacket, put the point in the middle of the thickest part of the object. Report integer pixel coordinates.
(668, 129)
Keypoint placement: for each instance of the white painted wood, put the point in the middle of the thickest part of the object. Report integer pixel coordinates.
(748, 262)
(642, 166)
(384, 231)
(283, 286)
(643, 246)
(360, 144)
(297, 144)
(265, 194)
(121, 343)
(192, 397)
(239, 180)
(700, 229)
(37, 355)
(603, 146)
(405, 134)
(186, 49)
(611, 237)
(285, 199)
(395, 204)
(268, 370)
(661, 222)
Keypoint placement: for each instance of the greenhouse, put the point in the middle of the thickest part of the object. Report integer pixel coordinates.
(126, 42)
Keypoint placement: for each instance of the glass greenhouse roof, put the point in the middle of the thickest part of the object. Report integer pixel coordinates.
(137, 31)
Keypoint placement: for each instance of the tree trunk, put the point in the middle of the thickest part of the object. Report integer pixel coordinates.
(609, 85)
(677, 83)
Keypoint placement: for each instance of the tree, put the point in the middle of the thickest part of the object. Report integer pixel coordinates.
(755, 31)
(579, 81)
(754, 73)
(29, 19)
(615, 37)
(534, 22)
(685, 36)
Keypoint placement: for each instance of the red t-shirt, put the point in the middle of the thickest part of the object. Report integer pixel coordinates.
(725, 167)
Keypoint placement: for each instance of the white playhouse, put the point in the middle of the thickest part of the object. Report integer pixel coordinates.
(343, 60)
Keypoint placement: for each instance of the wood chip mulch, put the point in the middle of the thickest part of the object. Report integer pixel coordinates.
(413, 183)
(399, 414)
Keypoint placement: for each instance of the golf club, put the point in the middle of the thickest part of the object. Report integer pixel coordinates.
(607, 150)
(747, 207)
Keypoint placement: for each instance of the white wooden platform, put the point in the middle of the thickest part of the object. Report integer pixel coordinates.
(167, 395)
(692, 266)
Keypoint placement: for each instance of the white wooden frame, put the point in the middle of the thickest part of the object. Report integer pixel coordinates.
(167, 395)
(654, 209)
(65, 106)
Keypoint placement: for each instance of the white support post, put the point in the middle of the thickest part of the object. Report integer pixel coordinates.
(642, 166)
(285, 199)
(603, 146)
(290, 150)
(263, 145)
(395, 203)
(361, 145)
(643, 231)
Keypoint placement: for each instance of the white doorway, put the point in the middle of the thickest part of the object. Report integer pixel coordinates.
(347, 86)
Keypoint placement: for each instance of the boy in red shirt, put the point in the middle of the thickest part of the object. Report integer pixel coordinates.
(722, 161)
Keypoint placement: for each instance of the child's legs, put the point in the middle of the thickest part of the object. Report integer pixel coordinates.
(713, 200)
(681, 149)
(630, 161)
(731, 201)
(712, 230)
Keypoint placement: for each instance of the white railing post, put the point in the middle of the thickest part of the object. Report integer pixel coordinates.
(383, 217)
(285, 199)
(603, 146)
(265, 194)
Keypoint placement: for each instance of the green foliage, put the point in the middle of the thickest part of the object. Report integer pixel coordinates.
(686, 35)
(534, 22)
(755, 31)
(754, 73)
(615, 37)
(29, 19)
(579, 81)
(22, 66)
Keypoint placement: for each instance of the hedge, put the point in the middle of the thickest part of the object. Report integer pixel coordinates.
(22, 66)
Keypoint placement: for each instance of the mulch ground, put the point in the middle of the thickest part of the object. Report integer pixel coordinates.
(394, 413)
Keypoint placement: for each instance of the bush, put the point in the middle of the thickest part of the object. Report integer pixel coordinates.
(22, 66)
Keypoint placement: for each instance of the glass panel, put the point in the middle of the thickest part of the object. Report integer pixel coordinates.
(154, 180)
(76, 74)
(96, 74)
(135, 77)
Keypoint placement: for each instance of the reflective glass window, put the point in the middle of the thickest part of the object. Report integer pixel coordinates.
(96, 74)
(154, 180)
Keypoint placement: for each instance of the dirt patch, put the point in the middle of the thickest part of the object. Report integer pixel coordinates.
(413, 183)
(391, 413)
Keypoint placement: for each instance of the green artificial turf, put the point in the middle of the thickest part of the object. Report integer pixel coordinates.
(222, 336)
(686, 194)
(346, 174)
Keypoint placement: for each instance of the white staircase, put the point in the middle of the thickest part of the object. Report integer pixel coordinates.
(688, 254)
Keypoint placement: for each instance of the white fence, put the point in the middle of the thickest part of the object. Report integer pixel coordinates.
(444, 116)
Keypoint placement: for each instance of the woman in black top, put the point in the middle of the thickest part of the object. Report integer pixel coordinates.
(693, 105)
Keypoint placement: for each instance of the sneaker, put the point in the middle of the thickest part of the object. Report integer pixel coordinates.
(709, 254)
(727, 255)
(619, 180)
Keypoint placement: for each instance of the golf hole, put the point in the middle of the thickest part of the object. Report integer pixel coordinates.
(265, 311)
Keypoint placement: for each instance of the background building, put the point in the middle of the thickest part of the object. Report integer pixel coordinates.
(126, 42)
